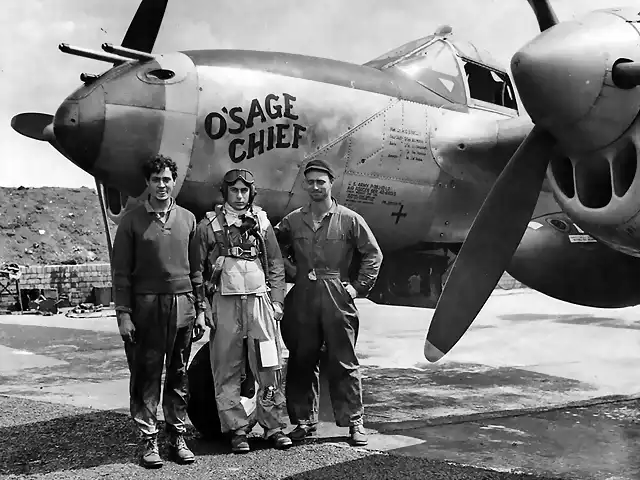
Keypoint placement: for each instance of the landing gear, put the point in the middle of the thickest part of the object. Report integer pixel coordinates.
(202, 408)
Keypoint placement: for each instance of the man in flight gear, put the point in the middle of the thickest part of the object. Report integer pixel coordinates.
(154, 276)
(320, 307)
(244, 277)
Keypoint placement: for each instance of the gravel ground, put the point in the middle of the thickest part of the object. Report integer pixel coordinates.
(44, 440)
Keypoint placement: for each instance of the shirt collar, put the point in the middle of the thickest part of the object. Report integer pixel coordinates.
(306, 209)
(150, 209)
(232, 216)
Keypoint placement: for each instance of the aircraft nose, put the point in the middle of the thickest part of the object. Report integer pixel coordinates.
(559, 75)
(78, 126)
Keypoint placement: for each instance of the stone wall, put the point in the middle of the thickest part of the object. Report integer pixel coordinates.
(78, 281)
(74, 281)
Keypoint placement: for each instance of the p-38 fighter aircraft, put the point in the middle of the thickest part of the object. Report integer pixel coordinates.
(428, 141)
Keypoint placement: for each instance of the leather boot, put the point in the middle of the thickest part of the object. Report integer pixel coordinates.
(358, 435)
(180, 450)
(239, 443)
(280, 441)
(150, 455)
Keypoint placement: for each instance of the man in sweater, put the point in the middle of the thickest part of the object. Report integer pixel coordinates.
(155, 279)
(244, 273)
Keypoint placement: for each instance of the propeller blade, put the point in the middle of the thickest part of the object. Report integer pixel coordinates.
(144, 27)
(33, 125)
(544, 13)
(490, 244)
(626, 74)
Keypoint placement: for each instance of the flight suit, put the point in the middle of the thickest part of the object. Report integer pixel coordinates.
(241, 308)
(320, 310)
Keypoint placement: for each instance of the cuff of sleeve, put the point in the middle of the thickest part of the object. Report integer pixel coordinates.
(277, 295)
(121, 309)
(362, 289)
(198, 293)
(123, 300)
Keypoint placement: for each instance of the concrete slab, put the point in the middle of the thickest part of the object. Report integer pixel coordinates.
(12, 360)
(105, 322)
(526, 354)
(600, 442)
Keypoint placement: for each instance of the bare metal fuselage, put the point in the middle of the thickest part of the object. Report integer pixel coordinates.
(415, 165)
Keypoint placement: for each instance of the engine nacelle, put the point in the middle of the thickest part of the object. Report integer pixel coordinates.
(558, 259)
(601, 191)
(567, 80)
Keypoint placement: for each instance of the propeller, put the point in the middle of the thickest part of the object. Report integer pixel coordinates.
(495, 233)
(143, 30)
(141, 35)
(544, 13)
(38, 126)
(33, 125)
(494, 237)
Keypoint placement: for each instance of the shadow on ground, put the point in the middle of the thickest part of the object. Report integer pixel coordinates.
(68, 443)
(382, 466)
(595, 442)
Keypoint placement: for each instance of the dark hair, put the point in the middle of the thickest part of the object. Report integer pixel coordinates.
(157, 164)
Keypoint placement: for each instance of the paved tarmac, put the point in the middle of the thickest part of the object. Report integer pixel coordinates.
(536, 385)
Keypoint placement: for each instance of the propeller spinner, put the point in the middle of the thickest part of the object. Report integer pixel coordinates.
(562, 79)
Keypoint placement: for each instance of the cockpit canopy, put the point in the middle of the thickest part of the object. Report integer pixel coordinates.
(437, 63)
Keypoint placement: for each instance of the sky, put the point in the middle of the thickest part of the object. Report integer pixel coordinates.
(36, 77)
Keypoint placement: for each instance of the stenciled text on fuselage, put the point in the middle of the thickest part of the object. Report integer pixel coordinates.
(235, 121)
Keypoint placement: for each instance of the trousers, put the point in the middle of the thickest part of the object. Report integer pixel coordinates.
(164, 327)
(317, 313)
(236, 317)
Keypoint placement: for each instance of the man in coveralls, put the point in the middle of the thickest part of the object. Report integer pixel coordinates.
(320, 307)
(154, 279)
(244, 274)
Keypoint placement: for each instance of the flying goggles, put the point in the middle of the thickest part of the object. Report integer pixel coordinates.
(232, 176)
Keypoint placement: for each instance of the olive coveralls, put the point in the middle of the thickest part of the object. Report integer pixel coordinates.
(318, 309)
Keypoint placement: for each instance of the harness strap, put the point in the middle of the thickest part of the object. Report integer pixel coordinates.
(244, 250)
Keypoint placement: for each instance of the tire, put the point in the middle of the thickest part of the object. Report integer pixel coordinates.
(202, 409)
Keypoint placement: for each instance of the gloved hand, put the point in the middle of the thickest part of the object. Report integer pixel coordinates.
(198, 327)
(278, 310)
(126, 327)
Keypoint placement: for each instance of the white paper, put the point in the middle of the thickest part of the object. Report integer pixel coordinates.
(268, 354)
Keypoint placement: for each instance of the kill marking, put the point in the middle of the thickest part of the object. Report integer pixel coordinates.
(399, 214)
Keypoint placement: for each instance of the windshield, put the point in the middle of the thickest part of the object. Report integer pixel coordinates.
(397, 53)
(436, 68)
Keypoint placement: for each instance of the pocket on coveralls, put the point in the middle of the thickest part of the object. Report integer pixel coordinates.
(347, 296)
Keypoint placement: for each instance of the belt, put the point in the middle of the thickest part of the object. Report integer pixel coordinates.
(246, 253)
(327, 275)
(322, 274)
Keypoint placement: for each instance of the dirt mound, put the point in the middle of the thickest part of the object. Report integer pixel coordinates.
(52, 226)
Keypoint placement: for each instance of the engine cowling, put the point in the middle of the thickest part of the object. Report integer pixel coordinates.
(601, 191)
(558, 259)
(568, 83)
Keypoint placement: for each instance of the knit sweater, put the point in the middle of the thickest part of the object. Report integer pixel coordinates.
(152, 257)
